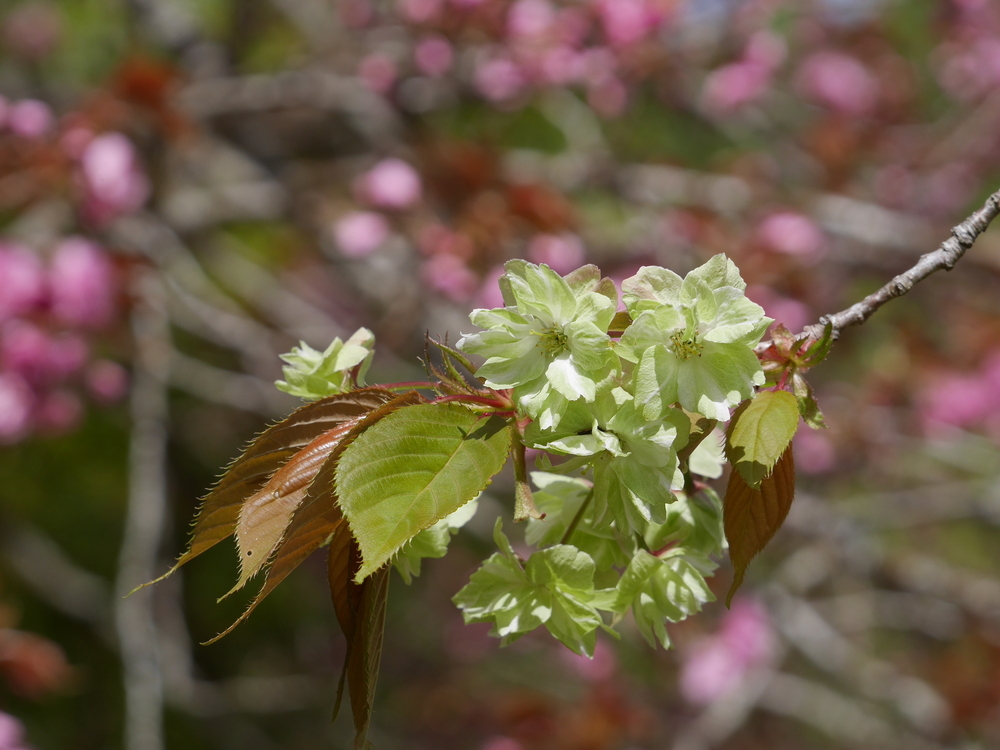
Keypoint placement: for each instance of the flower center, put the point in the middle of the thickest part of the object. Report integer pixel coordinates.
(685, 348)
(552, 340)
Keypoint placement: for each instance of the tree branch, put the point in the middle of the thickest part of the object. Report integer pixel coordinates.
(949, 252)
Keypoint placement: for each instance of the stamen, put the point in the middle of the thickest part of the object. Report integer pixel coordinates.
(685, 348)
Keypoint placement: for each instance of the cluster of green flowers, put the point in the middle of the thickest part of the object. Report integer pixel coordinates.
(622, 407)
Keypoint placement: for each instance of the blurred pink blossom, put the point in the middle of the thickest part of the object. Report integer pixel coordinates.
(791, 313)
(602, 667)
(392, 183)
(489, 295)
(26, 349)
(814, 451)
(4, 109)
(436, 238)
(355, 13)
(571, 26)
(502, 743)
(419, 11)
(607, 96)
(626, 22)
(360, 233)
(74, 141)
(449, 275)
(562, 65)
(499, 79)
(112, 177)
(378, 73)
(562, 253)
(767, 49)
(67, 355)
(16, 405)
(973, 70)
(720, 662)
(958, 400)
(791, 233)
(433, 55)
(59, 412)
(467, 3)
(30, 118)
(107, 381)
(530, 18)
(82, 284)
(22, 280)
(840, 82)
(735, 85)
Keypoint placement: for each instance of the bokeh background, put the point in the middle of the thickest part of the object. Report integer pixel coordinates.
(190, 187)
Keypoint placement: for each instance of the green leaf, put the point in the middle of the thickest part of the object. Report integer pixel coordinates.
(759, 433)
(432, 542)
(817, 350)
(806, 401)
(752, 516)
(412, 469)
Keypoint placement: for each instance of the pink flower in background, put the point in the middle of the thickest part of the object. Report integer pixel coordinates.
(562, 253)
(378, 73)
(571, 26)
(112, 177)
(58, 412)
(719, 663)
(767, 49)
(67, 355)
(26, 349)
(563, 65)
(106, 381)
(607, 96)
(814, 451)
(626, 22)
(434, 55)
(839, 82)
(499, 79)
(30, 118)
(392, 183)
(74, 142)
(733, 86)
(958, 400)
(489, 295)
(360, 232)
(973, 70)
(32, 30)
(449, 275)
(530, 18)
(436, 238)
(82, 284)
(419, 11)
(22, 280)
(603, 666)
(16, 404)
(791, 313)
(791, 233)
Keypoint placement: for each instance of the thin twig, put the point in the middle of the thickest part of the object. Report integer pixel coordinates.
(946, 256)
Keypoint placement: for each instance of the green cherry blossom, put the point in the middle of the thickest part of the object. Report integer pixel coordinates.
(692, 340)
(312, 374)
(550, 343)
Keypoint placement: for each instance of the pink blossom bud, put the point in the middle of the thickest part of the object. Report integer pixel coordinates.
(530, 18)
(450, 276)
(499, 79)
(733, 86)
(955, 400)
(112, 177)
(82, 284)
(58, 412)
(107, 381)
(746, 627)
(30, 118)
(419, 11)
(626, 22)
(392, 183)
(562, 253)
(709, 671)
(814, 451)
(16, 404)
(22, 280)
(791, 233)
(378, 73)
(433, 56)
(26, 349)
(839, 82)
(360, 232)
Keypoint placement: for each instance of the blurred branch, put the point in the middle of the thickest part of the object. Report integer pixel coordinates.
(145, 517)
(945, 257)
(233, 389)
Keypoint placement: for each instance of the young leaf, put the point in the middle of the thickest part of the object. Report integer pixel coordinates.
(412, 469)
(264, 517)
(318, 515)
(220, 509)
(752, 516)
(808, 408)
(817, 350)
(759, 433)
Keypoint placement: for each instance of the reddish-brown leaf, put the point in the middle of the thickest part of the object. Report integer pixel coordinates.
(220, 509)
(317, 516)
(343, 563)
(265, 516)
(752, 516)
(365, 651)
